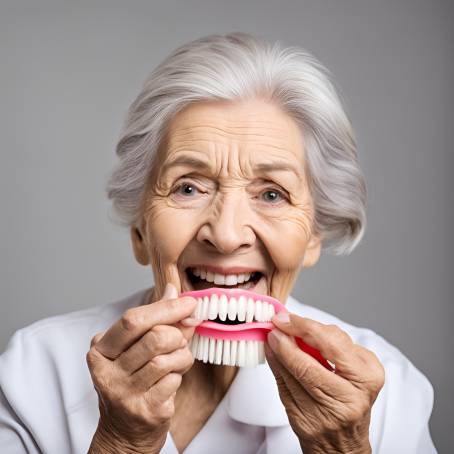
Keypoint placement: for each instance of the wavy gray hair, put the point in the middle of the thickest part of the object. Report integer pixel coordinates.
(238, 66)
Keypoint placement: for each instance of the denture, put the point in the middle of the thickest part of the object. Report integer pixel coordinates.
(235, 327)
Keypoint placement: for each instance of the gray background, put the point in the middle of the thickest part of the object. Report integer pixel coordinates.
(68, 74)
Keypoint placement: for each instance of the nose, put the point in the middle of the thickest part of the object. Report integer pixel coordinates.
(228, 228)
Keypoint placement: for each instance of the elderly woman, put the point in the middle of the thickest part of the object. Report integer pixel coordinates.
(238, 165)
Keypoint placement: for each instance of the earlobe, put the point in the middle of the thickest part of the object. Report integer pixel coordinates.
(313, 251)
(139, 246)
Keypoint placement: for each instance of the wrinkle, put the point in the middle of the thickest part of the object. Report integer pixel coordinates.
(232, 140)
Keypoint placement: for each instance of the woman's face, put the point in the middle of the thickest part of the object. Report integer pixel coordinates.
(227, 198)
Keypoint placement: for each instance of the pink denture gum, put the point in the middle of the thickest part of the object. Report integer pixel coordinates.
(219, 337)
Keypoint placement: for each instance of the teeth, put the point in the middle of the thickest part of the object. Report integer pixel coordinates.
(242, 353)
(258, 311)
(223, 305)
(250, 309)
(198, 310)
(231, 279)
(241, 309)
(221, 279)
(205, 307)
(213, 309)
(232, 309)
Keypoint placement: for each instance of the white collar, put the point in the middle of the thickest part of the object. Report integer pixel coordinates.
(253, 398)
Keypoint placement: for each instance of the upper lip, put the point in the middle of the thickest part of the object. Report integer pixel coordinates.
(226, 270)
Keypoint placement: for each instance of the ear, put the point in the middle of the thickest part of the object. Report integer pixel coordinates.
(139, 245)
(313, 250)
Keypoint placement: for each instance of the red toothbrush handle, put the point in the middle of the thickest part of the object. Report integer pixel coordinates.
(313, 352)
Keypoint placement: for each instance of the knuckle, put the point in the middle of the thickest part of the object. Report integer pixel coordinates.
(380, 377)
(375, 368)
(189, 358)
(156, 339)
(338, 334)
(130, 320)
(166, 410)
(355, 414)
(159, 363)
(174, 380)
(90, 358)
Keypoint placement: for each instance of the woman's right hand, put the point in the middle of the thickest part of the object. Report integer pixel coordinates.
(136, 367)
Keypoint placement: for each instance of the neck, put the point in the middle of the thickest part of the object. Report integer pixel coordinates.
(214, 380)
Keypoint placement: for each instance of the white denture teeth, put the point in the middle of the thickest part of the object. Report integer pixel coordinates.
(242, 353)
(240, 310)
(220, 279)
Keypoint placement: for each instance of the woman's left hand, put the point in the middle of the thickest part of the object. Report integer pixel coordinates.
(329, 412)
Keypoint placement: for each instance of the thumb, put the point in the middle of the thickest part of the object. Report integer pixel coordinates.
(170, 292)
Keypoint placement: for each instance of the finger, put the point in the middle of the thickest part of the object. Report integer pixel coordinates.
(159, 340)
(306, 370)
(96, 338)
(163, 389)
(136, 321)
(179, 361)
(286, 387)
(187, 331)
(331, 341)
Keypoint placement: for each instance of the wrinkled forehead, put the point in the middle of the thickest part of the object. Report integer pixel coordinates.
(253, 130)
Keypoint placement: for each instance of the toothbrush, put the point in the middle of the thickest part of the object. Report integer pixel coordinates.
(241, 344)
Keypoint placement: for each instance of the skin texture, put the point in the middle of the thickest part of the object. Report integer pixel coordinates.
(230, 208)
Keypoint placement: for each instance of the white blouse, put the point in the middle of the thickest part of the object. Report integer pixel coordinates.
(48, 403)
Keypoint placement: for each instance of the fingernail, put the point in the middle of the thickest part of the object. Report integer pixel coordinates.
(190, 321)
(170, 292)
(283, 317)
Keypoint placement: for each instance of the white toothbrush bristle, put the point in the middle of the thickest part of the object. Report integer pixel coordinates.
(205, 349)
(241, 357)
(242, 353)
(226, 353)
(218, 354)
(212, 350)
(233, 352)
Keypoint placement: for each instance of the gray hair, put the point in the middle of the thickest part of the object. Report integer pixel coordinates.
(238, 66)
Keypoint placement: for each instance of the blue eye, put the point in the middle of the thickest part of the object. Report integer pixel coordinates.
(272, 196)
(186, 189)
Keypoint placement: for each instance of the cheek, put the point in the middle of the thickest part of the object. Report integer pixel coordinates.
(169, 231)
(286, 241)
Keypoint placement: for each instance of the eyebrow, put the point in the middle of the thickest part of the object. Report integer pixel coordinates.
(266, 167)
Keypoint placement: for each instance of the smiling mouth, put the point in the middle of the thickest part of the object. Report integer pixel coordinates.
(201, 278)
